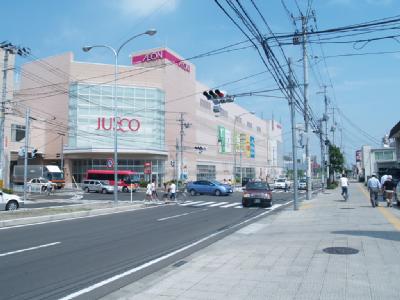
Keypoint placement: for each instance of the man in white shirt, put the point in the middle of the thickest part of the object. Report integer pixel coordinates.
(173, 191)
(373, 185)
(383, 179)
(344, 184)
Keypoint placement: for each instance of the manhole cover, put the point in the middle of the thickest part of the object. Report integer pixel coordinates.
(347, 208)
(340, 250)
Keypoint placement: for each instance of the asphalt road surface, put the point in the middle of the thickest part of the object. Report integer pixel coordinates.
(56, 260)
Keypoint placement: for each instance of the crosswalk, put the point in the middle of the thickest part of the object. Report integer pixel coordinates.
(289, 191)
(223, 204)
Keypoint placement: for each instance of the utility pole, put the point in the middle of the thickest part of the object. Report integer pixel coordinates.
(176, 161)
(322, 143)
(294, 151)
(8, 49)
(27, 125)
(183, 125)
(304, 21)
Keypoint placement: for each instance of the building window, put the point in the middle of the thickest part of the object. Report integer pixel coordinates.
(205, 172)
(17, 132)
(205, 104)
(258, 129)
(384, 155)
(249, 125)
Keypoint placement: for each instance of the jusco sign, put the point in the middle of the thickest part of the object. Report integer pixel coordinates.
(123, 124)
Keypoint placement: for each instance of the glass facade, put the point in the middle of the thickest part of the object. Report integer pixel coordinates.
(140, 125)
(205, 172)
(384, 155)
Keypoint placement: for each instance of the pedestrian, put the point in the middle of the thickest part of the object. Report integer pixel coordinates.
(230, 182)
(49, 188)
(167, 189)
(344, 184)
(388, 188)
(224, 181)
(154, 195)
(383, 179)
(148, 192)
(172, 191)
(373, 185)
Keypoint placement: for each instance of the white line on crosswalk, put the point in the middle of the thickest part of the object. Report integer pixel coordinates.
(204, 204)
(229, 205)
(218, 204)
(191, 203)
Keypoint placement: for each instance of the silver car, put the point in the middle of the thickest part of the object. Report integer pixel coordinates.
(10, 201)
(99, 186)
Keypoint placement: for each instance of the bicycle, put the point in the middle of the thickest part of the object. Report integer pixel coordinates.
(181, 196)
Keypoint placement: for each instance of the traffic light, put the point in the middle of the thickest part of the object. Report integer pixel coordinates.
(327, 142)
(217, 96)
(34, 152)
(172, 162)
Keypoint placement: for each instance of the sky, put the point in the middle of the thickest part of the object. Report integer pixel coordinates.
(363, 89)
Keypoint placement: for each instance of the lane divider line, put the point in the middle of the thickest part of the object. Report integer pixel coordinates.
(181, 215)
(29, 249)
(161, 258)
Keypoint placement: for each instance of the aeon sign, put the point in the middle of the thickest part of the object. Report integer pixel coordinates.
(123, 124)
(160, 54)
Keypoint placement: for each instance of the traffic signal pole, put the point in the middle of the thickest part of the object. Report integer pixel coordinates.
(27, 116)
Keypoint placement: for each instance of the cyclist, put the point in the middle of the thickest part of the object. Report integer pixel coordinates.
(344, 184)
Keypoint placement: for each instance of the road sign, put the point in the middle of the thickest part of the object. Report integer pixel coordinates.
(110, 163)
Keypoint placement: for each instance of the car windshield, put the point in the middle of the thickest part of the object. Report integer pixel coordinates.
(104, 182)
(257, 186)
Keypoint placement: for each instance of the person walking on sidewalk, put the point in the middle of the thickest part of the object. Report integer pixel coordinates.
(373, 185)
(383, 179)
(148, 192)
(173, 191)
(388, 189)
(344, 184)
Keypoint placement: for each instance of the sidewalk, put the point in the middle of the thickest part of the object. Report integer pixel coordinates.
(281, 257)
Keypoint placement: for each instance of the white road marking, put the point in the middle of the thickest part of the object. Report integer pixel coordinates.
(181, 215)
(240, 206)
(190, 203)
(218, 204)
(230, 205)
(29, 249)
(204, 204)
(161, 258)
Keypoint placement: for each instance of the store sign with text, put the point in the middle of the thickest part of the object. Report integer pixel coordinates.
(123, 124)
(160, 54)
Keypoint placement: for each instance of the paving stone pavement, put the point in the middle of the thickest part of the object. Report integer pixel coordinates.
(281, 257)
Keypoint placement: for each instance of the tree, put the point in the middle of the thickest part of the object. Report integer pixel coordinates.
(336, 160)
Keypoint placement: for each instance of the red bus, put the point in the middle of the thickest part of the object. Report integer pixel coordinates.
(125, 177)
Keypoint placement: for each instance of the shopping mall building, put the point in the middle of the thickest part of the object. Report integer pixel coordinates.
(158, 98)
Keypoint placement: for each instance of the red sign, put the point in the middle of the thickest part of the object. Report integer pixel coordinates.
(110, 163)
(147, 168)
(123, 124)
(161, 54)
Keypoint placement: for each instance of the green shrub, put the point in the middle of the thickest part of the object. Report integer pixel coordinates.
(8, 191)
(332, 185)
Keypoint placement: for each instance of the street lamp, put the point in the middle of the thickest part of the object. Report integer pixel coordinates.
(114, 102)
(240, 146)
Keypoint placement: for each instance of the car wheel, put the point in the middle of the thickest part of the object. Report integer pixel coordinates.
(217, 193)
(86, 190)
(12, 205)
(193, 193)
(104, 191)
(125, 189)
(245, 204)
(43, 188)
(266, 204)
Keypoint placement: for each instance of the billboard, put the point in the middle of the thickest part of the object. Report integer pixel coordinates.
(358, 155)
(224, 140)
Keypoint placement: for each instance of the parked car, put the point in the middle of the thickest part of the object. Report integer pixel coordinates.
(40, 184)
(10, 201)
(302, 184)
(212, 187)
(281, 183)
(99, 186)
(257, 193)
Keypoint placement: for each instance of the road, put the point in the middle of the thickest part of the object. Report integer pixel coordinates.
(56, 260)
